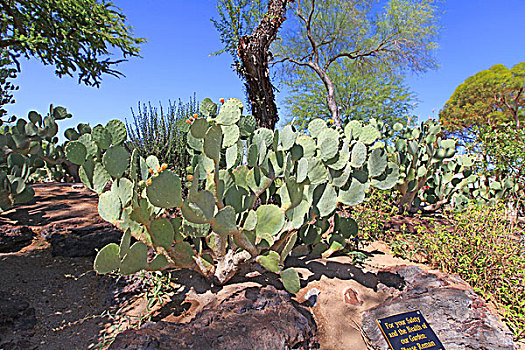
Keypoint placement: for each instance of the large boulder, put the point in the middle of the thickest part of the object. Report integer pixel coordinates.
(348, 298)
(250, 318)
(458, 316)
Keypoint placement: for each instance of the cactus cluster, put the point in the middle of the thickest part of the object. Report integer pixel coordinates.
(424, 159)
(432, 175)
(27, 147)
(254, 194)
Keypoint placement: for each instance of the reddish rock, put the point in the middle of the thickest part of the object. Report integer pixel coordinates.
(251, 318)
(83, 241)
(351, 297)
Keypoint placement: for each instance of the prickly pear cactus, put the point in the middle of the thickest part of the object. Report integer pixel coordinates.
(254, 194)
(426, 164)
(29, 148)
(432, 175)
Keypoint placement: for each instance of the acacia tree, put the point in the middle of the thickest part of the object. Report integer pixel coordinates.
(74, 36)
(361, 93)
(331, 33)
(488, 98)
(247, 33)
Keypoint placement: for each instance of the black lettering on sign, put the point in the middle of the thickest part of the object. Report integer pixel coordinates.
(409, 331)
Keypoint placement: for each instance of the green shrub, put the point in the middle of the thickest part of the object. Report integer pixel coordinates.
(373, 214)
(162, 133)
(503, 149)
(482, 247)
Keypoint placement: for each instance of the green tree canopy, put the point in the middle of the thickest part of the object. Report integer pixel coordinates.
(330, 36)
(488, 98)
(74, 36)
(361, 94)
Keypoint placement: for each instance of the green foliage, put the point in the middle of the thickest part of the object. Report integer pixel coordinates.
(73, 36)
(488, 98)
(7, 74)
(504, 149)
(163, 133)
(486, 112)
(373, 214)
(420, 155)
(486, 250)
(333, 40)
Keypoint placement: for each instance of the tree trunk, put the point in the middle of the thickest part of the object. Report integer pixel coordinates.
(330, 92)
(330, 96)
(253, 51)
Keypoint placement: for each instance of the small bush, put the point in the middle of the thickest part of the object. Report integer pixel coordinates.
(488, 252)
(162, 133)
(374, 213)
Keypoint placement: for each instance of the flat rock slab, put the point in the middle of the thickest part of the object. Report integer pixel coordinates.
(251, 318)
(458, 316)
(69, 241)
(14, 238)
(349, 298)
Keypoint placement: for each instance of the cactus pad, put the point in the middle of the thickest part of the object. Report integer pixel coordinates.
(213, 142)
(135, 260)
(224, 221)
(208, 108)
(290, 279)
(107, 259)
(117, 130)
(101, 136)
(76, 152)
(270, 261)
(109, 206)
(165, 190)
(270, 219)
(230, 112)
(162, 233)
(116, 161)
(369, 134)
(198, 128)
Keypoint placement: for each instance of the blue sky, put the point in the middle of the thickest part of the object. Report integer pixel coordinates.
(176, 60)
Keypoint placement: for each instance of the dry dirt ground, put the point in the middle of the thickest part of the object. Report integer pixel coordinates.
(67, 297)
(73, 308)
